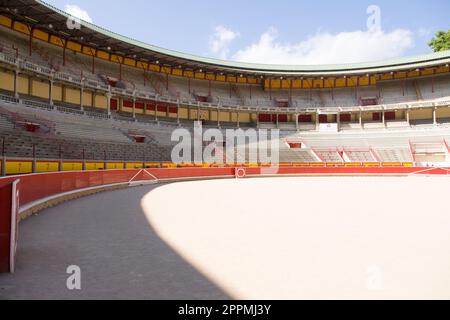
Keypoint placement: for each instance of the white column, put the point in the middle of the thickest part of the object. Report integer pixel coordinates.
(134, 108)
(108, 103)
(296, 121)
(408, 117)
(338, 120)
(218, 117)
(238, 122)
(435, 116)
(257, 120)
(360, 119)
(317, 121)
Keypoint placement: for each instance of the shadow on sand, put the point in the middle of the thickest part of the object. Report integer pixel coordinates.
(110, 239)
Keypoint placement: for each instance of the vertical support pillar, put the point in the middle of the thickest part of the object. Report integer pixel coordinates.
(338, 120)
(270, 88)
(296, 122)
(108, 103)
(93, 99)
(238, 120)
(30, 86)
(408, 118)
(83, 166)
(317, 122)
(360, 119)
(82, 98)
(435, 116)
(257, 120)
(167, 82)
(93, 64)
(30, 42)
(218, 116)
(64, 52)
(50, 92)
(178, 112)
(63, 93)
(134, 107)
(16, 84)
(156, 111)
(33, 165)
(120, 104)
(3, 172)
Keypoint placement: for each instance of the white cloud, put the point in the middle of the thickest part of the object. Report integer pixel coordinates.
(219, 42)
(424, 32)
(77, 12)
(328, 48)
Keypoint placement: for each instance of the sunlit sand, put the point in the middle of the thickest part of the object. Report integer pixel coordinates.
(310, 238)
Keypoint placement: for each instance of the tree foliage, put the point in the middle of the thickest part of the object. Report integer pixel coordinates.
(441, 41)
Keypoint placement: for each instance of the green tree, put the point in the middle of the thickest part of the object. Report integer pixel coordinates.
(441, 41)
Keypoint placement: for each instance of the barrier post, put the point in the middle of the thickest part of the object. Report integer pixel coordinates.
(9, 223)
(3, 173)
(84, 160)
(33, 169)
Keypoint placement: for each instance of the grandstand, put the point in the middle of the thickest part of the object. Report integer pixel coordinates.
(64, 99)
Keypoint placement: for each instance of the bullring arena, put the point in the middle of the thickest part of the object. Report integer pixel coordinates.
(355, 207)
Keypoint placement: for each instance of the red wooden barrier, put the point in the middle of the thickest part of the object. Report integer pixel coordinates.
(9, 224)
(38, 186)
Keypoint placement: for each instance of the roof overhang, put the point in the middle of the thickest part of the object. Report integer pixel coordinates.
(41, 15)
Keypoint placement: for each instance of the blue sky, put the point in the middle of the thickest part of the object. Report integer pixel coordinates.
(282, 31)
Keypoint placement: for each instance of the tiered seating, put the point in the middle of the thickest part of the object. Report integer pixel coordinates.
(19, 144)
(5, 124)
(394, 155)
(88, 132)
(360, 156)
(331, 156)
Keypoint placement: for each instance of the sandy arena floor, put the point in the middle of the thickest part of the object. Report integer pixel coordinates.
(280, 238)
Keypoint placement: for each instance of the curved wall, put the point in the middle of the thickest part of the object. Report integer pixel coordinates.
(41, 187)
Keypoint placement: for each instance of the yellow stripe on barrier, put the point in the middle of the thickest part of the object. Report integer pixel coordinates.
(92, 166)
(72, 166)
(114, 165)
(18, 167)
(47, 167)
(392, 164)
(374, 164)
(134, 165)
(408, 164)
